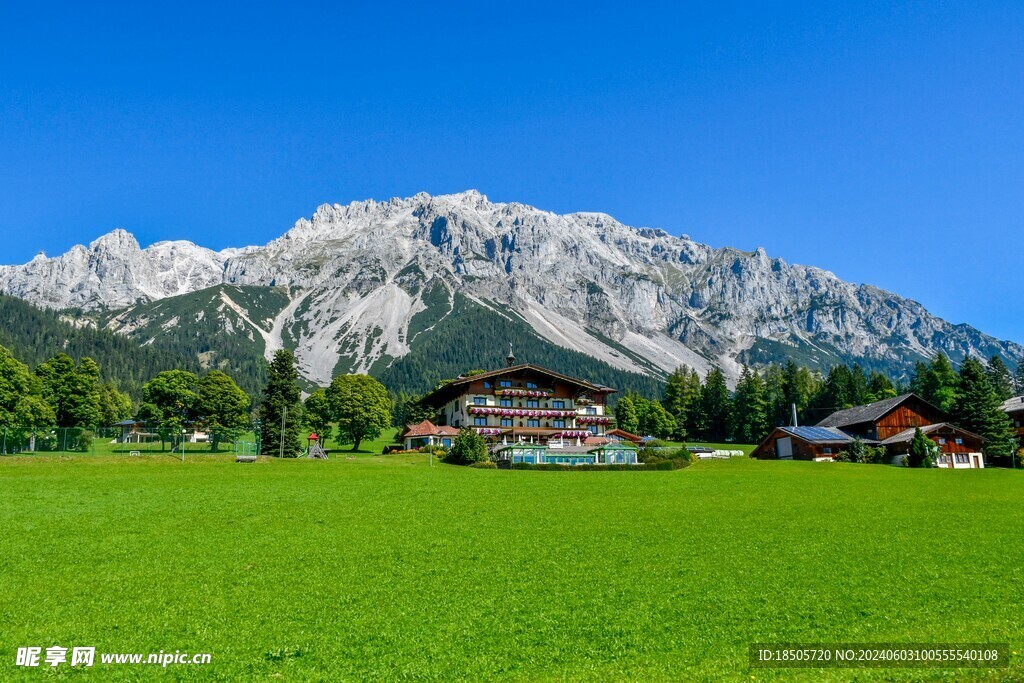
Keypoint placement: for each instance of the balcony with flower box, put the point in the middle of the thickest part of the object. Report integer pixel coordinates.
(522, 412)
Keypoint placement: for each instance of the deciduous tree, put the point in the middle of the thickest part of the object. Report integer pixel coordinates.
(223, 406)
(361, 406)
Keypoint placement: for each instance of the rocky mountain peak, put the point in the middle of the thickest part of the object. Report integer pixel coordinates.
(637, 298)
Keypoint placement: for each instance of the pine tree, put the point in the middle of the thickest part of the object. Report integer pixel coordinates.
(977, 409)
(750, 410)
(281, 406)
(880, 387)
(1019, 377)
(715, 407)
(680, 397)
(1000, 378)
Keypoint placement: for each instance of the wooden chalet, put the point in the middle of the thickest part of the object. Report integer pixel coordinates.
(523, 402)
(1014, 407)
(958, 448)
(803, 443)
(882, 419)
(890, 423)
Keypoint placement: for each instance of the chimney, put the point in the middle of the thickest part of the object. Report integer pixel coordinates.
(794, 415)
(511, 359)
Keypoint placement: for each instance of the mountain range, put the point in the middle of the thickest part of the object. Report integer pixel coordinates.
(422, 288)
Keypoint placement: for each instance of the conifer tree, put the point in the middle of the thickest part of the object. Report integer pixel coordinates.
(1000, 378)
(281, 405)
(1019, 378)
(750, 409)
(715, 407)
(680, 397)
(922, 450)
(977, 409)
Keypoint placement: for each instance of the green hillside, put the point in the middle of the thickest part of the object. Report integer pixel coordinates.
(476, 337)
(219, 327)
(34, 335)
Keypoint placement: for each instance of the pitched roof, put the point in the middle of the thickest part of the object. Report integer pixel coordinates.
(908, 434)
(871, 411)
(624, 434)
(1013, 405)
(818, 434)
(425, 428)
(453, 386)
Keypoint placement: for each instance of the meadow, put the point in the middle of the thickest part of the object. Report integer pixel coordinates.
(382, 567)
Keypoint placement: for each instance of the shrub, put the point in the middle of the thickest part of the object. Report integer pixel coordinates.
(485, 465)
(468, 448)
(876, 455)
(844, 456)
(922, 451)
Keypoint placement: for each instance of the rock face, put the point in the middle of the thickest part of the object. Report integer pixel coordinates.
(363, 279)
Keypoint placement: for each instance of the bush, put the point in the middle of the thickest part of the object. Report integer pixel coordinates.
(485, 465)
(876, 455)
(843, 456)
(468, 448)
(436, 450)
(680, 456)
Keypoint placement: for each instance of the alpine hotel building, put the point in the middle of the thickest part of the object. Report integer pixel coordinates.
(523, 403)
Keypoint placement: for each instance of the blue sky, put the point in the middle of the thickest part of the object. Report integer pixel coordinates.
(882, 141)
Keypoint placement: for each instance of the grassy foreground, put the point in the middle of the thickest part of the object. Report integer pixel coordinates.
(385, 568)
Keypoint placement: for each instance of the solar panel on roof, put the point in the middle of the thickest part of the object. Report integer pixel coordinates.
(816, 434)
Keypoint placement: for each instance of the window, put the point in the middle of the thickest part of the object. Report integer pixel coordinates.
(961, 458)
(591, 410)
(446, 442)
(959, 442)
(506, 403)
(505, 383)
(480, 421)
(532, 403)
(533, 423)
(942, 441)
(487, 385)
(827, 450)
(479, 400)
(558, 404)
(506, 422)
(558, 424)
(531, 385)
(593, 429)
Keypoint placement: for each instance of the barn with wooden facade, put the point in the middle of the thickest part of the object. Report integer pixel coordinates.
(958, 448)
(882, 419)
(803, 443)
(890, 423)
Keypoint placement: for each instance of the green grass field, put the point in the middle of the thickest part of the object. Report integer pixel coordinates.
(385, 568)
